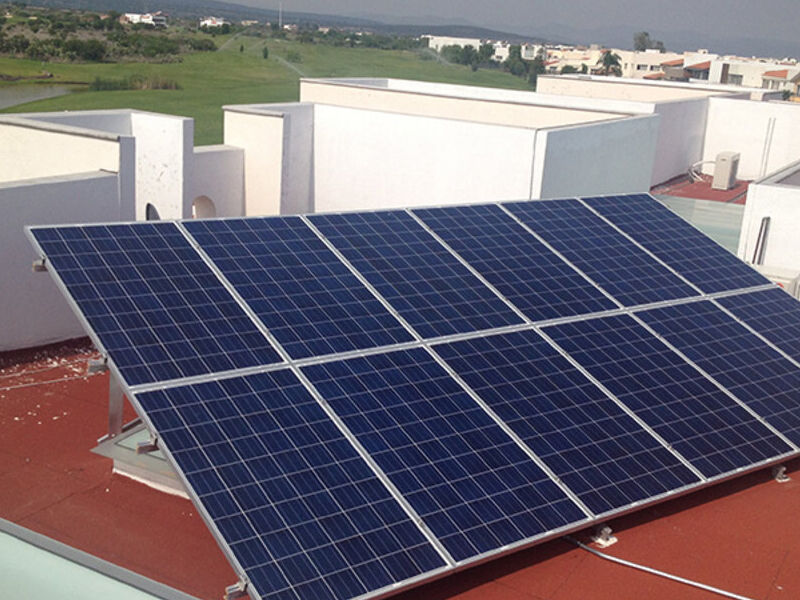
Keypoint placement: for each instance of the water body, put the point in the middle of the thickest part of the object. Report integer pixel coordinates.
(11, 95)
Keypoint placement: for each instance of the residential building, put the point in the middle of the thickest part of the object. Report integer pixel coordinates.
(213, 22)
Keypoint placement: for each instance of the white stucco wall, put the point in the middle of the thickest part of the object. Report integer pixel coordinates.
(770, 197)
(436, 100)
(110, 121)
(601, 158)
(259, 132)
(33, 311)
(370, 159)
(297, 179)
(765, 134)
(164, 150)
(625, 89)
(44, 150)
(681, 137)
(218, 174)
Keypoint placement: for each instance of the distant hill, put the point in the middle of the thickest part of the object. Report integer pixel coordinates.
(237, 12)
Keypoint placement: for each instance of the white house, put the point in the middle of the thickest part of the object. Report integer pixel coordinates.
(212, 22)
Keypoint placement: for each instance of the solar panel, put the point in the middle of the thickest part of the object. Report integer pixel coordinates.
(155, 306)
(755, 372)
(693, 255)
(300, 290)
(600, 452)
(772, 313)
(424, 283)
(299, 509)
(609, 258)
(523, 269)
(708, 428)
(356, 467)
(474, 487)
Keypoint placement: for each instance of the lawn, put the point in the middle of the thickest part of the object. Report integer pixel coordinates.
(210, 80)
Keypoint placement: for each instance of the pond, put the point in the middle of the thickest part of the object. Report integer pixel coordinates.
(11, 95)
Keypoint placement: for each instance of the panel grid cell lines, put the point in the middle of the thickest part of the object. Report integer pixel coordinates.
(302, 292)
(696, 257)
(600, 452)
(701, 422)
(419, 277)
(301, 511)
(523, 269)
(772, 313)
(755, 372)
(609, 258)
(474, 487)
(156, 307)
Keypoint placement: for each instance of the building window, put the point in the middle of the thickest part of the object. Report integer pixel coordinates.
(735, 79)
(641, 67)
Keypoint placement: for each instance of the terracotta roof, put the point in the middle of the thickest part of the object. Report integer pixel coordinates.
(657, 75)
(678, 62)
(741, 535)
(781, 74)
(703, 66)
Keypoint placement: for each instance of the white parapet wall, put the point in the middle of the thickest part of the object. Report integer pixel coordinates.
(516, 109)
(371, 159)
(598, 158)
(34, 312)
(776, 196)
(765, 134)
(218, 181)
(164, 152)
(277, 140)
(32, 149)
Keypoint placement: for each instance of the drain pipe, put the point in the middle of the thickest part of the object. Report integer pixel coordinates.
(656, 572)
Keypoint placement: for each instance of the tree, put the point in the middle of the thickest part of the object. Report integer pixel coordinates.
(514, 63)
(642, 42)
(610, 61)
(567, 69)
(485, 53)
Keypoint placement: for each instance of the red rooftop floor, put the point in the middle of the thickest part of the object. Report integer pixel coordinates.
(742, 536)
(685, 187)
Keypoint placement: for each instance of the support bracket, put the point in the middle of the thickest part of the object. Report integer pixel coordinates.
(97, 365)
(779, 474)
(149, 446)
(236, 591)
(603, 536)
(39, 266)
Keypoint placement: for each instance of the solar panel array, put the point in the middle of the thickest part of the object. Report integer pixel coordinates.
(359, 402)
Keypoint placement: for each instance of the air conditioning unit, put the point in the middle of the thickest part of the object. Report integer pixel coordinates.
(725, 169)
(788, 279)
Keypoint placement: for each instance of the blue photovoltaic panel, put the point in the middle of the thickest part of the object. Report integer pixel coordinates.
(471, 484)
(609, 258)
(695, 417)
(301, 291)
(695, 256)
(589, 442)
(772, 313)
(426, 284)
(301, 511)
(523, 269)
(156, 307)
(756, 373)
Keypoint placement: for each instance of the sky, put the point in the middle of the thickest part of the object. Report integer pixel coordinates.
(673, 21)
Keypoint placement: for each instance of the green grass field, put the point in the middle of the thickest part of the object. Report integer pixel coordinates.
(210, 80)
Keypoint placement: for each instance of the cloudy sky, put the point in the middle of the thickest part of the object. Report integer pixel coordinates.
(674, 21)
